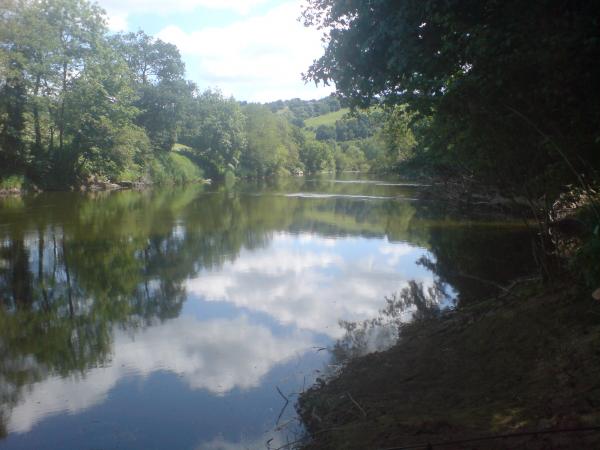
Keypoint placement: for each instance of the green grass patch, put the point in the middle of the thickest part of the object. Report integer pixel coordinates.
(12, 182)
(326, 119)
(164, 168)
(174, 168)
(132, 173)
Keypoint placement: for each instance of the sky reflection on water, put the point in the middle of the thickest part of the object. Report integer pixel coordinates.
(169, 319)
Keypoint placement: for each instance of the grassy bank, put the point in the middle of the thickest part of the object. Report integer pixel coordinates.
(12, 184)
(526, 362)
(162, 169)
(166, 168)
(173, 168)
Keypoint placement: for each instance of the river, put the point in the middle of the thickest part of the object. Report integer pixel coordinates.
(185, 317)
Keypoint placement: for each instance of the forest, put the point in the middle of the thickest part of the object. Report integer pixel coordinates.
(501, 91)
(80, 106)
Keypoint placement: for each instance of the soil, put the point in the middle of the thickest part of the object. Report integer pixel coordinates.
(527, 362)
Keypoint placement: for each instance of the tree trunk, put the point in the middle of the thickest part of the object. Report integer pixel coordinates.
(61, 123)
(36, 117)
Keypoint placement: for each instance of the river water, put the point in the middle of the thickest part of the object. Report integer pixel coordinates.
(183, 318)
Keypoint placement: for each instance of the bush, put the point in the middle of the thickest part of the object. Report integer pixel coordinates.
(12, 182)
(173, 168)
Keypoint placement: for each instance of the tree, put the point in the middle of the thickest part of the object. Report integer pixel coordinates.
(163, 94)
(163, 110)
(151, 60)
(271, 148)
(12, 91)
(505, 86)
(80, 27)
(216, 131)
(101, 116)
(316, 156)
(325, 133)
(77, 104)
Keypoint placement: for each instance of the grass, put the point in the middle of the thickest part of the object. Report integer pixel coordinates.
(12, 182)
(167, 168)
(132, 173)
(174, 168)
(326, 119)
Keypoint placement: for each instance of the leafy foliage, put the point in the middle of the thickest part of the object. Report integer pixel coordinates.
(501, 90)
(79, 105)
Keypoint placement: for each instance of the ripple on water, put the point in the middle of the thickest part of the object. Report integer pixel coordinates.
(320, 195)
(381, 183)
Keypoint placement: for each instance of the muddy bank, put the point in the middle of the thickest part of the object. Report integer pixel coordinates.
(526, 362)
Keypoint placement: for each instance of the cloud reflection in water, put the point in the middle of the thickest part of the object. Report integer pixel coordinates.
(218, 355)
(311, 282)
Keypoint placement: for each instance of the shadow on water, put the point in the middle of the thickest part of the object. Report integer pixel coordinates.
(414, 302)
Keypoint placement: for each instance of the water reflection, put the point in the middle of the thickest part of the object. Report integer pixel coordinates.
(217, 355)
(186, 307)
(311, 282)
(416, 301)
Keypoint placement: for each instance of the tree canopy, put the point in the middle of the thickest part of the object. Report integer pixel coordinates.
(505, 87)
(80, 106)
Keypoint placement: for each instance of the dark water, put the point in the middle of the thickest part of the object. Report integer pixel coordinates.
(169, 318)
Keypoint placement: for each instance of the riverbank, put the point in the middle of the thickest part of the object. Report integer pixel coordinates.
(167, 169)
(525, 362)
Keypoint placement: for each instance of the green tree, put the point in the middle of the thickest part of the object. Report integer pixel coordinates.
(163, 94)
(100, 115)
(317, 156)
(325, 133)
(504, 86)
(271, 148)
(216, 131)
(151, 60)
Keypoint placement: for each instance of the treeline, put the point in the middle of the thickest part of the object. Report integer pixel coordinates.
(297, 110)
(79, 106)
(500, 91)
(360, 125)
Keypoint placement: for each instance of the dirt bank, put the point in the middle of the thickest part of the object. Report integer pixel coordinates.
(526, 362)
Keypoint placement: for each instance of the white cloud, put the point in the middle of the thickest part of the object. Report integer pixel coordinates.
(394, 252)
(119, 10)
(258, 58)
(117, 22)
(311, 288)
(218, 355)
(161, 6)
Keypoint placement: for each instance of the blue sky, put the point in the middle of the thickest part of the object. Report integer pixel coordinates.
(254, 50)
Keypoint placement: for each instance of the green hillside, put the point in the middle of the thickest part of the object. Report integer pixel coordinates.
(326, 119)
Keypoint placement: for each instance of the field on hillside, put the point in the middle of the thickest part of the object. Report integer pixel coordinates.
(326, 119)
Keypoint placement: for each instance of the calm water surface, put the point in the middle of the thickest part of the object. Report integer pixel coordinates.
(171, 318)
